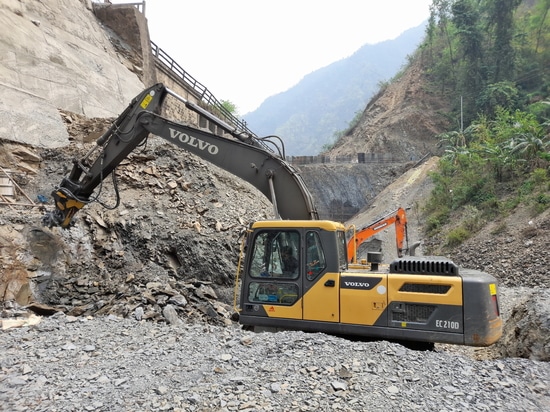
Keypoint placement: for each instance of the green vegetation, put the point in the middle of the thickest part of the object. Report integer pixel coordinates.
(340, 133)
(492, 58)
(230, 107)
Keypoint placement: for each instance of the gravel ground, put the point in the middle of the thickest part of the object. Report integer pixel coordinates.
(108, 363)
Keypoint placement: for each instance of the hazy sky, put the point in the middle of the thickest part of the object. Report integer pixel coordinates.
(247, 50)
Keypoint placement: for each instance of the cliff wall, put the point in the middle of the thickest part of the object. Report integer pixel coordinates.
(56, 55)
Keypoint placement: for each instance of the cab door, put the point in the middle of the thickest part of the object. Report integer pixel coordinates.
(272, 284)
(321, 287)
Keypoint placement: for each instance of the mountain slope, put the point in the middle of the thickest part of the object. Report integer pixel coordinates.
(324, 102)
(397, 129)
(402, 120)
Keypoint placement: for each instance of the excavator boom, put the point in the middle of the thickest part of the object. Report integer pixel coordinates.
(397, 218)
(242, 155)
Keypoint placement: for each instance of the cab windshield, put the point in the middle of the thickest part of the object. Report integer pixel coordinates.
(275, 254)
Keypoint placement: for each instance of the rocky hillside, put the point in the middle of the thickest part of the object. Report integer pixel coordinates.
(340, 90)
(397, 131)
(402, 119)
(175, 234)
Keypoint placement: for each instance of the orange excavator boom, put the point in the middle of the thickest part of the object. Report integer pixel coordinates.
(397, 218)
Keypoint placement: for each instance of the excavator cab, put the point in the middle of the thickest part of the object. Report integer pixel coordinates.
(423, 299)
(272, 295)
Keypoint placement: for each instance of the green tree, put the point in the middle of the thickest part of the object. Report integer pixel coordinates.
(466, 18)
(230, 107)
(498, 95)
(440, 13)
(542, 24)
(501, 20)
(498, 53)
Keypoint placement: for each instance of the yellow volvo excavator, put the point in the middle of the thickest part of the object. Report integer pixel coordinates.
(294, 271)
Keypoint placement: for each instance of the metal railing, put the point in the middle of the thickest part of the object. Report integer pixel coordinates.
(363, 158)
(355, 158)
(205, 97)
(140, 5)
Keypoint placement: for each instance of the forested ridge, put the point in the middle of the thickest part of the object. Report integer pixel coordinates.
(491, 60)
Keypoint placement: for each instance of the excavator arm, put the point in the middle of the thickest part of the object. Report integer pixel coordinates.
(397, 218)
(245, 156)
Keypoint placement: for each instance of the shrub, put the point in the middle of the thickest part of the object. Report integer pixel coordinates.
(436, 219)
(539, 176)
(472, 219)
(542, 202)
(457, 236)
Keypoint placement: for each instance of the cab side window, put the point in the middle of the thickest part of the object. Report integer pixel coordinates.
(315, 257)
(342, 251)
(274, 267)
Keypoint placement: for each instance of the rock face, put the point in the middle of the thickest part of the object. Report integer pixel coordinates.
(174, 238)
(400, 120)
(56, 55)
(341, 190)
(526, 331)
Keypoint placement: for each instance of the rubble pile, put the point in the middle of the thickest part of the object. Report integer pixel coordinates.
(168, 251)
(83, 129)
(518, 255)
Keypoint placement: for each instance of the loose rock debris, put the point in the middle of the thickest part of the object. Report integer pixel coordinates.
(172, 243)
(68, 363)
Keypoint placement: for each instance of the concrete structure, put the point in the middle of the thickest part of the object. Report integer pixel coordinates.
(56, 55)
(85, 57)
(129, 24)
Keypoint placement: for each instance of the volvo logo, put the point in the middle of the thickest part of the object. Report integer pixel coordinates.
(193, 141)
(359, 282)
(361, 285)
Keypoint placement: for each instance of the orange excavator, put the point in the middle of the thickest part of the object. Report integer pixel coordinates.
(397, 217)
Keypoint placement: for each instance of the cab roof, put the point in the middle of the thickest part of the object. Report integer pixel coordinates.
(295, 224)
